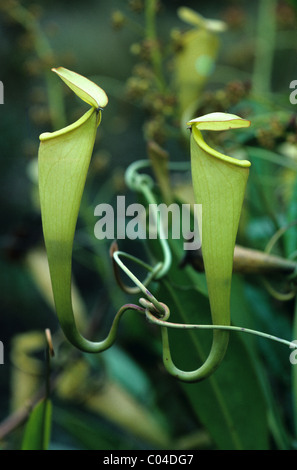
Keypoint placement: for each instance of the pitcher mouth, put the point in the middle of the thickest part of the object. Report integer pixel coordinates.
(70, 128)
(218, 122)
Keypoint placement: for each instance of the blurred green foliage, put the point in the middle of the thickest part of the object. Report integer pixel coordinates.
(123, 399)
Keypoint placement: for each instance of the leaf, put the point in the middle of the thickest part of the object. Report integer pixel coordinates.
(37, 263)
(247, 307)
(113, 402)
(89, 432)
(25, 375)
(230, 404)
(38, 428)
(294, 373)
(291, 234)
(159, 159)
(125, 371)
(84, 88)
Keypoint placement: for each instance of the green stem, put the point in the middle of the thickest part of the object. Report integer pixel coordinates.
(151, 36)
(265, 46)
(283, 297)
(142, 286)
(45, 53)
(239, 329)
(206, 369)
(48, 355)
(294, 373)
(84, 344)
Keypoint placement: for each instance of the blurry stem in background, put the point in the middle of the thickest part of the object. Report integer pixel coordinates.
(274, 239)
(98, 259)
(151, 36)
(49, 354)
(294, 374)
(265, 201)
(45, 53)
(265, 42)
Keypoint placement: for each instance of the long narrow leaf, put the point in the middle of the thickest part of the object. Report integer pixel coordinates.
(231, 403)
(38, 428)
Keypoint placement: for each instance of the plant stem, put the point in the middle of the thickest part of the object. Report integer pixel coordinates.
(238, 329)
(151, 36)
(264, 46)
(159, 307)
(45, 53)
(294, 374)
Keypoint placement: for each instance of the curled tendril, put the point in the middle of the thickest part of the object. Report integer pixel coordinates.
(269, 247)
